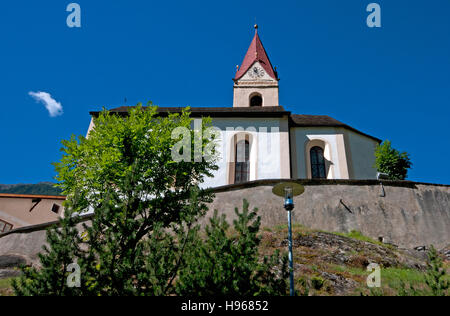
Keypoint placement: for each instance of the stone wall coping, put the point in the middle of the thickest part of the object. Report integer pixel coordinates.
(43, 226)
(309, 182)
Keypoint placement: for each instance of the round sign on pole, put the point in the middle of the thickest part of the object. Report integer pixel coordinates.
(280, 189)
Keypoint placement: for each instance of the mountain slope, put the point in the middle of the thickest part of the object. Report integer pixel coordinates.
(43, 188)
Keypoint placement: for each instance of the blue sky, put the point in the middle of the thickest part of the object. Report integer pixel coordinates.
(392, 82)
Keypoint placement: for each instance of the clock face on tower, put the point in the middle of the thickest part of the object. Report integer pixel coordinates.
(256, 72)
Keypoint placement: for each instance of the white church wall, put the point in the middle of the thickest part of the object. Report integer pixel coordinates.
(265, 152)
(301, 137)
(362, 156)
(350, 155)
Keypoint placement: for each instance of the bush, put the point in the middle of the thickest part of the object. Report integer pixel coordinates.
(224, 264)
(436, 279)
(390, 161)
(436, 274)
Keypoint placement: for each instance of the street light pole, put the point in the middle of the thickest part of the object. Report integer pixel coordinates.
(288, 191)
(291, 258)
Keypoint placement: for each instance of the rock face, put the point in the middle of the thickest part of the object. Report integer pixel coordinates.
(330, 249)
(446, 252)
(341, 285)
(338, 263)
(11, 261)
(342, 250)
(26, 245)
(27, 242)
(9, 265)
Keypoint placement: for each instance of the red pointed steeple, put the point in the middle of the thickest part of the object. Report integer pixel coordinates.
(256, 53)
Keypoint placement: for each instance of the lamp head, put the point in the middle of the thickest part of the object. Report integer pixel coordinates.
(288, 198)
(288, 190)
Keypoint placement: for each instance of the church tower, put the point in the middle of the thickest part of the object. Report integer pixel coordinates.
(256, 82)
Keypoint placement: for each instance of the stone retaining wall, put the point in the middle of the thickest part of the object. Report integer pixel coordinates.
(405, 213)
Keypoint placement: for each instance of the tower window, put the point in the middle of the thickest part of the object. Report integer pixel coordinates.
(242, 168)
(256, 100)
(317, 163)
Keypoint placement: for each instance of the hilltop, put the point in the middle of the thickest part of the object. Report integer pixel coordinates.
(42, 188)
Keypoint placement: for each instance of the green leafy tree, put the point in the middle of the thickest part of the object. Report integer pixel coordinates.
(392, 162)
(227, 263)
(125, 173)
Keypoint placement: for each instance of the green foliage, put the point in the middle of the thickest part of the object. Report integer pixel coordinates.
(436, 274)
(317, 283)
(124, 172)
(220, 264)
(409, 290)
(5, 283)
(436, 279)
(6, 287)
(304, 286)
(392, 162)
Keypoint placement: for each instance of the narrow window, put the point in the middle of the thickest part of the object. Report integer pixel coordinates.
(55, 208)
(317, 163)
(256, 100)
(242, 170)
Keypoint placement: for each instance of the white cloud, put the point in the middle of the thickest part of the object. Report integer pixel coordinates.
(54, 108)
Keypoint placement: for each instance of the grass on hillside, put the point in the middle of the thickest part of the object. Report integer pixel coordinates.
(309, 278)
(5, 287)
(359, 236)
(393, 279)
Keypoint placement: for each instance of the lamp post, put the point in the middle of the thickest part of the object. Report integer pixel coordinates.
(288, 190)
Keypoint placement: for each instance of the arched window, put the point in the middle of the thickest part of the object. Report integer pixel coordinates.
(318, 170)
(242, 167)
(256, 100)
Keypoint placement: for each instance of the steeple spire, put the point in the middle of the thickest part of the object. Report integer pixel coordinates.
(256, 81)
(256, 53)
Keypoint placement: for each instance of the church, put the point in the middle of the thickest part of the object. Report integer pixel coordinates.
(260, 139)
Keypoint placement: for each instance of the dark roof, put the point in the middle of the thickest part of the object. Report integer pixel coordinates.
(264, 111)
(314, 120)
(323, 121)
